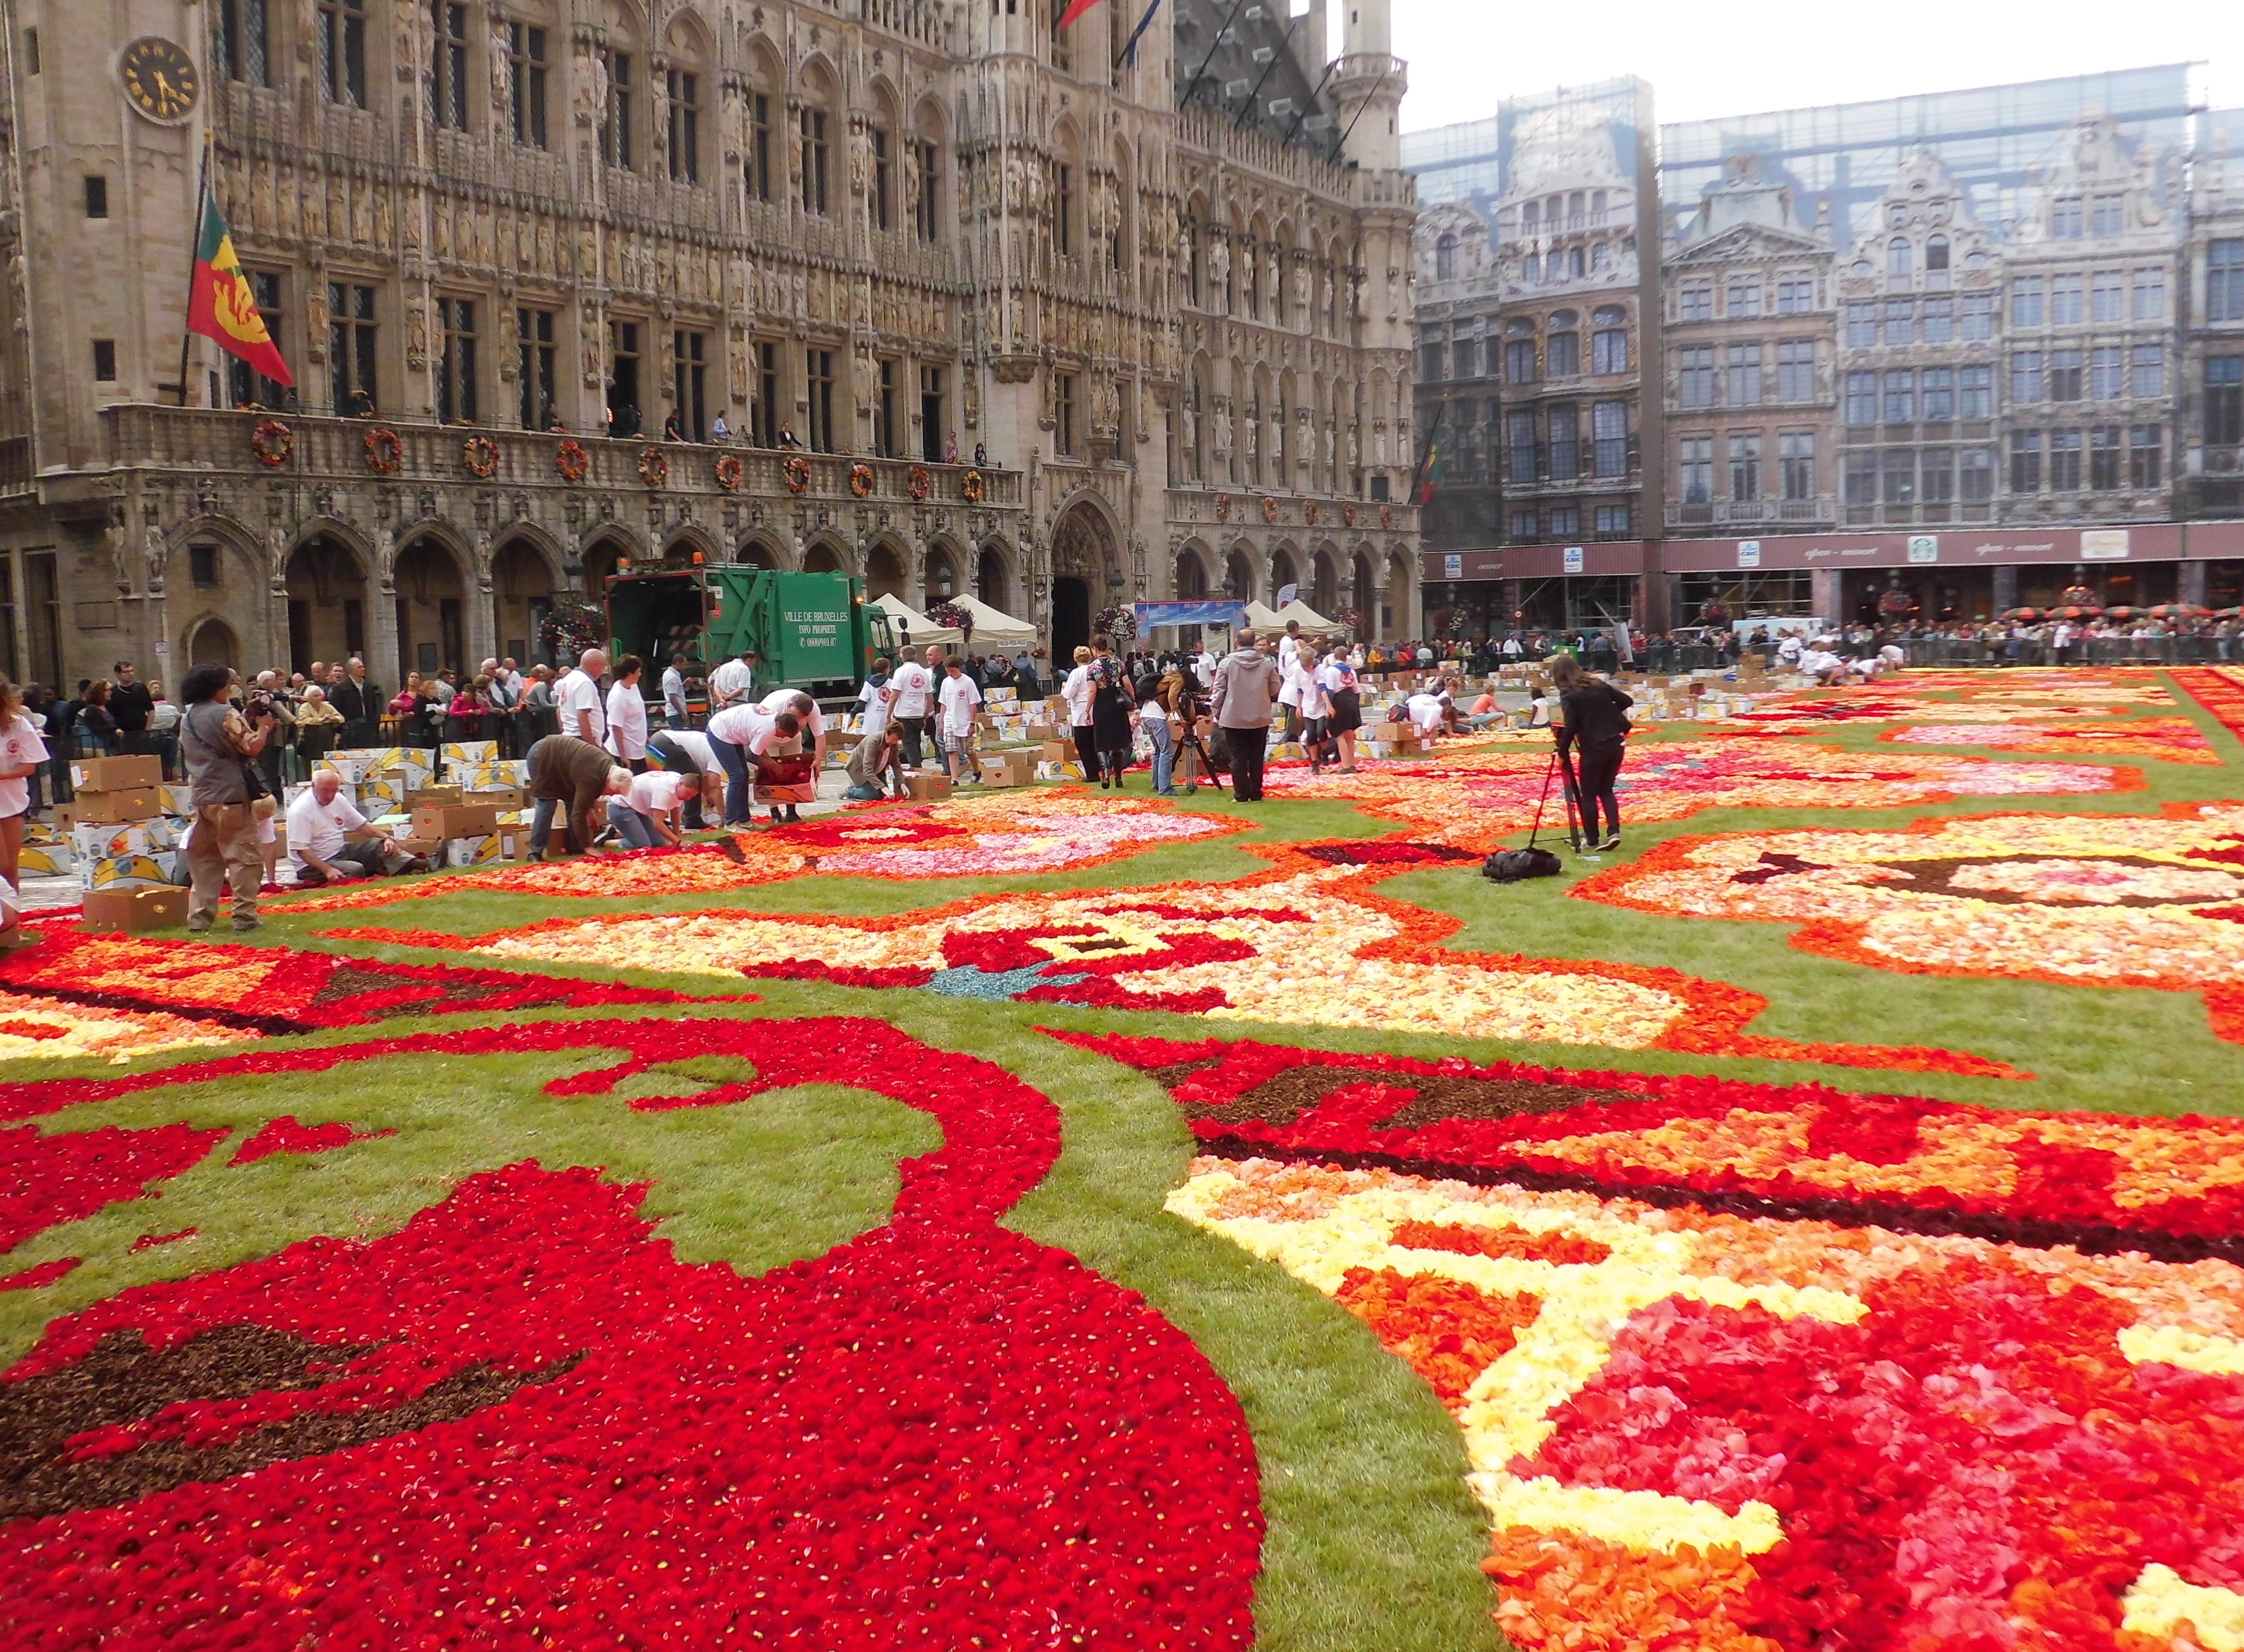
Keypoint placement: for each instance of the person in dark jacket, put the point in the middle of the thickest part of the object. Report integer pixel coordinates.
(1596, 720)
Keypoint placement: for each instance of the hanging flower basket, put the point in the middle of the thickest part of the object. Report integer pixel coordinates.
(952, 617)
(970, 487)
(654, 467)
(729, 472)
(572, 461)
(385, 453)
(922, 483)
(1119, 622)
(797, 471)
(272, 442)
(572, 628)
(479, 456)
(860, 479)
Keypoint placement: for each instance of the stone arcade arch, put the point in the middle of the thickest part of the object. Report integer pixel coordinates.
(212, 642)
(884, 569)
(522, 596)
(432, 626)
(1086, 574)
(760, 552)
(326, 581)
(993, 577)
(602, 556)
(824, 556)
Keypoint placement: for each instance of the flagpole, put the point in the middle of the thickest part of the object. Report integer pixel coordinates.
(194, 248)
(1418, 472)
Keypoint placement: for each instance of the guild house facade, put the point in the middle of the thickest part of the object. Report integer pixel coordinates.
(542, 247)
(1951, 354)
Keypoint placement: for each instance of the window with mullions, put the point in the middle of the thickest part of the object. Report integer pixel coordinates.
(1862, 398)
(2224, 401)
(2107, 376)
(1609, 436)
(246, 386)
(1898, 485)
(1939, 395)
(1063, 416)
(616, 149)
(813, 161)
(1744, 386)
(2107, 296)
(341, 43)
(1795, 370)
(1861, 326)
(818, 376)
(1695, 469)
(2224, 281)
(1609, 351)
(455, 360)
(1796, 462)
(759, 163)
(765, 409)
(351, 341)
(1520, 361)
(1974, 390)
(1939, 319)
(1694, 377)
(1795, 298)
(1901, 397)
(1975, 469)
(525, 81)
(1978, 316)
(1697, 303)
(2026, 376)
(882, 190)
(2105, 469)
(1063, 221)
(689, 382)
(1935, 487)
(2025, 462)
(684, 126)
(535, 367)
(2026, 301)
(1562, 355)
(2064, 375)
(448, 65)
(2146, 442)
(241, 42)
(1744, 298)
(2150, 294)
(1745, 466)
(2110, 215)
(2064, 447)
(2065, 219)
(887, 437)
(1519, 437)
(927, 217)
(1901, 321)
(2067, 304)
(1565, 424)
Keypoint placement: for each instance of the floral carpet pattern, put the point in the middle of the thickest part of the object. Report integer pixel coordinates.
(1474, 801)
(520, 1419)
(1007, 834)
(2095, 900)
(1308, 941)
(1693, 1423)
(2161, 739)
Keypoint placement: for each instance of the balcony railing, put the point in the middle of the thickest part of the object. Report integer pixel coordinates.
(1706, 513)
(1203, 504)
(216, 439)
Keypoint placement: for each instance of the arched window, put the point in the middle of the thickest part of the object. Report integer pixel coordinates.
(759, 161)
(881, 159)
(816, 128)
(1899, 258)
(1936, 253)
(1530, 219)
(1445, 258)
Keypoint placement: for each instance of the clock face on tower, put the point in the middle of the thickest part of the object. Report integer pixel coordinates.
(160, 80)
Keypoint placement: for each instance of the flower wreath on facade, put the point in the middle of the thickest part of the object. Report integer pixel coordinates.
(1386, 516)
(729, 472)
(1270, 509)
(654, 467)
(1312, 513)
(273, 442)
(860, 479)
(922, 483)
(1348, 515)
(479, 456)
(1223, 507)
(970, 487)
(797, 472)
(572, 461)
(385, 453)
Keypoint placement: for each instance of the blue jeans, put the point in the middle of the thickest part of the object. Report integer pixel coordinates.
(541, 827)
(1164, 754)
(733, 759)
(631, 825)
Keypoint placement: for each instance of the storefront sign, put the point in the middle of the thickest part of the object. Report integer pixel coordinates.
(1573, 563)
(1749, 553)
(1924, 548)
(1453, 566)
(1988, 547)
(2104, 544)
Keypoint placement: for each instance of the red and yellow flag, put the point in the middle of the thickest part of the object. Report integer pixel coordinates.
(1075, 9)
(222, 307)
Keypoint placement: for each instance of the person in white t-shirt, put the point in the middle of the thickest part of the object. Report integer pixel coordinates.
(739, 735)
(876, 703)
(915, 686)
(1788, 651)
(330, 841)
(647, 814)
(23, 750)
(685, 752)
(733, 682)
(813, 724)
(673, 692)
(961, 700)
(577, 698)
(1204, 669)
(1426, 712)
(627, 716)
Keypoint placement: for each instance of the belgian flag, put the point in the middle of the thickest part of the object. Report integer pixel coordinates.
(221, 305)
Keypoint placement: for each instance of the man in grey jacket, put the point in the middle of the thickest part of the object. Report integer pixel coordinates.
(1246, 693)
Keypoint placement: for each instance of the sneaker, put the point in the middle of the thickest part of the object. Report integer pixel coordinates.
(1610, 843)
(243, 925)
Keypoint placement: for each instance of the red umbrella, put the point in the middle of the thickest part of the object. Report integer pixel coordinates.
(2179, 610)
(2025, 614)
(2227, 613)
(2074, 611)
(2123, 611)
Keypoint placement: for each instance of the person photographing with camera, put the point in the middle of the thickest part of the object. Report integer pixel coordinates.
(219, 745)
(1594, 718)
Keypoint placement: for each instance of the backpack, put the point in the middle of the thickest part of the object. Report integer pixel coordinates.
(1511, 865)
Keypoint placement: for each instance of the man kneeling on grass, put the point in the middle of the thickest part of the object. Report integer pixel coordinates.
(564, 769)
(330, 841)
(647, 813)
(877, 763)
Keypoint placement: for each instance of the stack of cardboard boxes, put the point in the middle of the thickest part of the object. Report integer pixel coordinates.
(123, 845)
(476, 817)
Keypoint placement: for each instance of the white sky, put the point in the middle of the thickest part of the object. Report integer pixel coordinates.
(1705, 58)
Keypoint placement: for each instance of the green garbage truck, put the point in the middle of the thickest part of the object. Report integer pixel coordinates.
(811, 631)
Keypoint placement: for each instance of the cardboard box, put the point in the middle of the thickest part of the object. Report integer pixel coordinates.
(380, 793)
(115, 773)
(109, 912)
(126, 872)
(139, 803)
(1040, 731)
(133, 912)
(91, 842)
(456, 820)
(433, 797)
(342, 764)
(1011, 768)
(1058, 751)
(47, 859)
(179, 800)
(501, 798)
(488, 850)
(466, 752)
(928, 788)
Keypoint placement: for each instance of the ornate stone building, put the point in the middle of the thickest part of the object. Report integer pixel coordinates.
(1165, 300)
(2210, 436)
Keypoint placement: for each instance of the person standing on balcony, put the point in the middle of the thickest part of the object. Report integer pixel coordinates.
(721, 431)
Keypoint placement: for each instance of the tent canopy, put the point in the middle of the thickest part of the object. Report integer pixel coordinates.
(1262, 618)
(992, 628)
(923, 632)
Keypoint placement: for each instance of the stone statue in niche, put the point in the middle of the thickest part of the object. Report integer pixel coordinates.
(1222, 425)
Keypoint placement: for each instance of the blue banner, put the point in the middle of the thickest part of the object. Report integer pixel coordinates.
(1154, 614)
